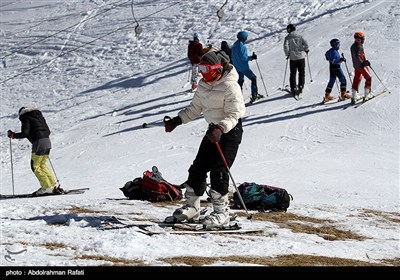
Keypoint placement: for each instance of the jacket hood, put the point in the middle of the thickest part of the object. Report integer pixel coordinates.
(24, 110)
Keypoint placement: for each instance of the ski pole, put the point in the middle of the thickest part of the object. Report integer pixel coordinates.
(379, 79)
(188, 80)
(156, 123)
(284, 77)
(53, 170)
(12, 168)
(259, 71)
(249, 217)
(348, 72)
(309, 68)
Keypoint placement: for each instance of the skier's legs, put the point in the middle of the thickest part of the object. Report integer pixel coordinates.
(220, 178)
(301, 64)
(229, 144)
(342, 80)
(241, 80)
(367, 76)
(195, 74)
(253, 78)
(39, 168)
(357, 79)
(332, 80)
(292, 77)
(201, 166)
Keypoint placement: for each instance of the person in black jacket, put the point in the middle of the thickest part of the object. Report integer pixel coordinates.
(36, 130)
(227, 49)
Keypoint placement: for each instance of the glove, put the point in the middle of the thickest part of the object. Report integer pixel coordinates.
(11, 134)
(254, 56)
(365, 63)
(171, 124)
(287, 57)
(342, 59)
(307, 51)
(214, 133)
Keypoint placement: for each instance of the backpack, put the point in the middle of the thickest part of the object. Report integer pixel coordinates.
(152, 187)
(262, 198)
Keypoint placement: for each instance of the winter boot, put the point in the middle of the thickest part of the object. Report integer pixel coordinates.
(328, 97)
(190, 211)
(367, 94)
(354, 96)
(344, 95)
(219, 218)
(42, 191)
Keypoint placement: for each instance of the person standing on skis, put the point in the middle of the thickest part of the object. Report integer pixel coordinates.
(219, 99)
(360, 65)
(240, 59)
(295, 48)
(335, 71)
(36, 130)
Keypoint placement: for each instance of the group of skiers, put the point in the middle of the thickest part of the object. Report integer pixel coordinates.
(296, 50)
(219, 99)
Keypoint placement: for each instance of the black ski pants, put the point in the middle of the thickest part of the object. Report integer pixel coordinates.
(300, 66)
(208, 159)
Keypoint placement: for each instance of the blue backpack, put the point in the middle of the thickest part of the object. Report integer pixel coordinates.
(262, 198)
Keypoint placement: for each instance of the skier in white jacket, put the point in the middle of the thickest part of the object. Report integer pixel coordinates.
(219, 99)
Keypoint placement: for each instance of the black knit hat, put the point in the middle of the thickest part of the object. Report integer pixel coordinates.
(216, 57)
(211, 57)
(290, 28)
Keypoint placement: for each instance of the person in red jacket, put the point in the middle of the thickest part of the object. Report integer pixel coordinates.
(360, 65)
(36, 130)
(195, 52)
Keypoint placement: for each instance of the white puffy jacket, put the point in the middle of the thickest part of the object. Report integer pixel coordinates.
(221, 102)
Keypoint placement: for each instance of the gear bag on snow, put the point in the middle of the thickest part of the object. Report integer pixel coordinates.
(262, 197)
(152, 187)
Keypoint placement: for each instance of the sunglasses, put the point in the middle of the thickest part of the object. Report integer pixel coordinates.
(206, 68)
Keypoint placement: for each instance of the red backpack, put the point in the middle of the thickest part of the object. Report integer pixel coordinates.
(152, 187)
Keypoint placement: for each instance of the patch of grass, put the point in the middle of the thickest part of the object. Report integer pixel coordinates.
(284, 260)
(113, 260)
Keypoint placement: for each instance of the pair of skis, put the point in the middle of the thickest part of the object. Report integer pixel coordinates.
(173, 227)
(33, 195)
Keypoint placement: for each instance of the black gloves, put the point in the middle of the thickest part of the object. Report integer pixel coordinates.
(342, 59)
(365, 63)
(254, 56)
(214, 133)
(171, 124)
(288, 57)
(307, 51)
(11, 134)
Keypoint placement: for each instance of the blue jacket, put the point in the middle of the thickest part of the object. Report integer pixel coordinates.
(240, 59)
(333, 56)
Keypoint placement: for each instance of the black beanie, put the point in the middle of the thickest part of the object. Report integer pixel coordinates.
(216, 57)
(211, 58)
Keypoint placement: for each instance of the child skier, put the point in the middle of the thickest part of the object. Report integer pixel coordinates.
(334, 58)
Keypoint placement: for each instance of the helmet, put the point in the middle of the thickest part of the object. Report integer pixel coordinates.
(290, 28)
(196, 36)
(242, 36)
(359, 36)
(335, 43)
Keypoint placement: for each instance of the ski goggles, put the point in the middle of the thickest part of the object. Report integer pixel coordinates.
(206, 68)
(210, 72)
